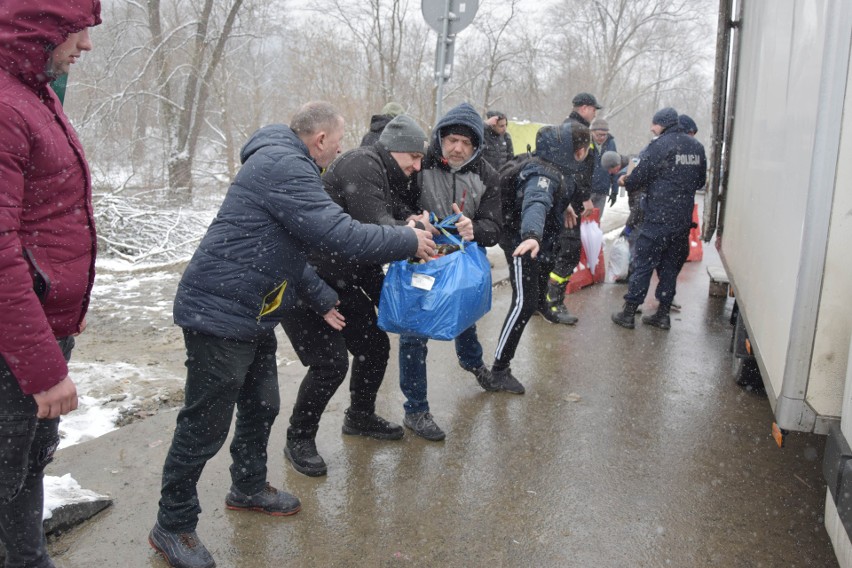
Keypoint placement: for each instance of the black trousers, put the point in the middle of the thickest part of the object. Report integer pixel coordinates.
(324, 351)
(221, 374)
(528, 277)
(27, 445)
(568, 251)
(664, 253)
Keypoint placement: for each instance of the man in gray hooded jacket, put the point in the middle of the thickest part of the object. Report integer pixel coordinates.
(454, 179)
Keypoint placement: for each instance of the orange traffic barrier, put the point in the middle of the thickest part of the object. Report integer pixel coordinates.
(696, 251)
(582, 275)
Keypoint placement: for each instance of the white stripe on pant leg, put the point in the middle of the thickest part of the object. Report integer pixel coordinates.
(517, 308)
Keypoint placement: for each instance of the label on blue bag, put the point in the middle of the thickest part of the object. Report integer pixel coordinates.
(422, 281)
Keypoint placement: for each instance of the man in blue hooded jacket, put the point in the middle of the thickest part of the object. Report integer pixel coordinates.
(544, 189)
(248, 269)
(671, 169)
(454, 179)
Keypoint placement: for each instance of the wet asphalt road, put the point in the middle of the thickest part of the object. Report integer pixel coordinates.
(630, 448)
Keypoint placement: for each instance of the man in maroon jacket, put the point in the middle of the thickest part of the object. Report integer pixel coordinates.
(47, 255)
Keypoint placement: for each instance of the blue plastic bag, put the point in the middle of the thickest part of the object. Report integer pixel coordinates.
(438, 299)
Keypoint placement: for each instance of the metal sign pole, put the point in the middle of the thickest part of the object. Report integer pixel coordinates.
(447, 17)
(442, 61)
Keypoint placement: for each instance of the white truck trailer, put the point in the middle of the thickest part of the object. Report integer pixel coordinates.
(782, 173)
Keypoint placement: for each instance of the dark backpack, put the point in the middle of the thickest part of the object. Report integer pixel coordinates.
(510, 193)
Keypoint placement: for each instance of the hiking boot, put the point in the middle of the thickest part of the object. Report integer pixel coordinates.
(422, 424)
(269, 500)
(625, 318)
(504, 380)
(181, 550)
(370, 425)
(660, 319)
(483, 376)
(303, 455)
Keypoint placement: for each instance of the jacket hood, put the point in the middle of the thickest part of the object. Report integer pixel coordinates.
(30, 29)
(553, 144)
(272, 135)
(378, 122)
(465, 115)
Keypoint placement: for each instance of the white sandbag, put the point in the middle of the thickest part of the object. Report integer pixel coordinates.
(592, 239)
(619, 260)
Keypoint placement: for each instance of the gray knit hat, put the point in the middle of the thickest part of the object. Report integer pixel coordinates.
(610, 159)
(402, 134)
(599, 124)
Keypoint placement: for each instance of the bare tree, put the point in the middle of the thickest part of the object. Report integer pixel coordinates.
(185, 125)
(501, 44)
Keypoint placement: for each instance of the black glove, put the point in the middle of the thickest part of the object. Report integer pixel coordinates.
(612, 198)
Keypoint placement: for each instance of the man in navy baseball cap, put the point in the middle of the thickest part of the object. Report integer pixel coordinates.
(585, 99)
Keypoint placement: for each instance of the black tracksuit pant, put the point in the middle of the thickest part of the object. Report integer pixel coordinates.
(324, 351)
(528, 277)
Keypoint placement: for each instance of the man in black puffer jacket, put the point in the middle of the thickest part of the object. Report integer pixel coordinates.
(552, 307)
(371, 183)
(497, 141)
(248, 269)
(379, 121)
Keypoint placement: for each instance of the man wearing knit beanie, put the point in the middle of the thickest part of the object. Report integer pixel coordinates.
(687, 124)
(370, 183)
(604, 183)
(663, 120)
(671, 169)
(403, 134)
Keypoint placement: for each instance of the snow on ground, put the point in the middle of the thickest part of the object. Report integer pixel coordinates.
(132, 301)
(60, 491)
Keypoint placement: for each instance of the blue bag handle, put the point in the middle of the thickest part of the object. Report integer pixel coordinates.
(445, 223)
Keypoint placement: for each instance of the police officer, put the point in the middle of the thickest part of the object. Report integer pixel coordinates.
(671, 168)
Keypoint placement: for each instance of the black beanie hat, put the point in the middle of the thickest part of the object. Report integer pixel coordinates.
(666, 117)
(461, 130)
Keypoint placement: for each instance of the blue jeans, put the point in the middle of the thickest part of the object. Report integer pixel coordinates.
(412, 365)
(27, 445)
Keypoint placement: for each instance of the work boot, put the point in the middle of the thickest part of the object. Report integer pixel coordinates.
(269, 500)
(371, 425)
(660, 319)
(554, 309)
(422, 424)
(181, 550)
(504, 380)
(625, 318)
(303, 455)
